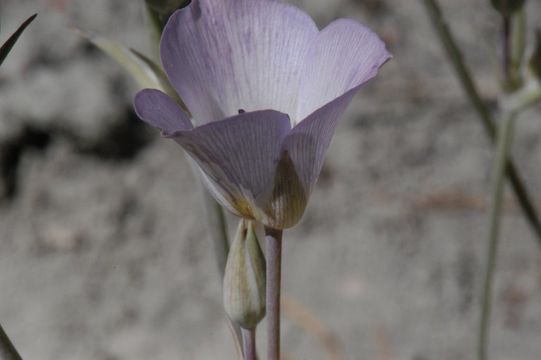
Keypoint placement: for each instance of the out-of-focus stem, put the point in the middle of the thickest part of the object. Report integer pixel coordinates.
(273, 239)
(505, 136)
(506, 52)
(518, 46)
(466, 80)
(528, 95)
(217, 228)
(248, 344)
(7, 349)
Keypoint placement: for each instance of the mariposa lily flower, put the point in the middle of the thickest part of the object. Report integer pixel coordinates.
(265, 89)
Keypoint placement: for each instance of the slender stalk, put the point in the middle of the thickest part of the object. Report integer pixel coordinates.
(505, 136)
(248, 344)
(518, 43)
(273, 239)
(506, 52)
(466, 80)
(7, 349)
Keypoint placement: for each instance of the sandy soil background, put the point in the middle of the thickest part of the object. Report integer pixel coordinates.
(104, 253)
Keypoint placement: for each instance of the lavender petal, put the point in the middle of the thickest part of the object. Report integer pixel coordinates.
(226, 55)
(159, 110)
(238, 157)
(345, 55)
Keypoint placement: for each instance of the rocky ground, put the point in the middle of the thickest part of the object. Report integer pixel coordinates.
(104, 253)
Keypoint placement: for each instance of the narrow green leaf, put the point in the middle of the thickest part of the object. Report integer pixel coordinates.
(8, 45)
(146, 72)
(162, 78)
(145, 76)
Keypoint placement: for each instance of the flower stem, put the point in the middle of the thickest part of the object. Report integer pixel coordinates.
(466, 80)
(7, 349)
(248, 344)
(505, 136)
(273, 239)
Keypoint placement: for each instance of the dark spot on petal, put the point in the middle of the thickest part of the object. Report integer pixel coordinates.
(242, 111)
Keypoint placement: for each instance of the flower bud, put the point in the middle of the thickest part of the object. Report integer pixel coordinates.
(244, 279)
(507, 7)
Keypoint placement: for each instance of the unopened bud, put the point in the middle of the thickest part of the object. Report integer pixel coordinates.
(507, 7)
(244, 279)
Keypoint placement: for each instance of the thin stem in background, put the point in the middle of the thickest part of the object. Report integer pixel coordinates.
(7, 349)
(273, 239)
(506, 52)
(217, 227)
(505, 136)
(518, 44)
(466, 80)
(248, 344)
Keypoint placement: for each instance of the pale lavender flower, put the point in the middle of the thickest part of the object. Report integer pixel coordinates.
(265, 89)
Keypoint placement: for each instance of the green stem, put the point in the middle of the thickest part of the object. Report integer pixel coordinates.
(505, 138)
(7, 349)
(518, 45)
(466, 80)
(274, 269)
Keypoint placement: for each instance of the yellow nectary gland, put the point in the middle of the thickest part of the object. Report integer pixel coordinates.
(285, 204)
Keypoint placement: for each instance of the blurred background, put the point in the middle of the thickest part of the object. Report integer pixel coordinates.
(104, 253)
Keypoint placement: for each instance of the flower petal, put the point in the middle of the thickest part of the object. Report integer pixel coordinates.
(308, 142)
(239, 156)
(345, 55)
(159, 110)
(226, 55)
